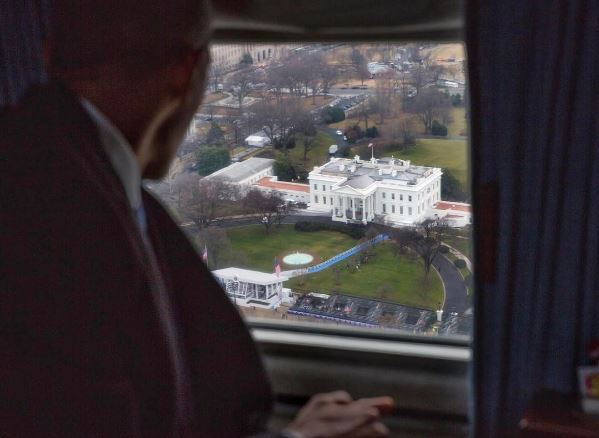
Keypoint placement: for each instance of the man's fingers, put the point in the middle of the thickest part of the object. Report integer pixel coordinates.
(331, 397)
(385, 405)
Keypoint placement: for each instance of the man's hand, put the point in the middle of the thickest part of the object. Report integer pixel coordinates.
(336, 415)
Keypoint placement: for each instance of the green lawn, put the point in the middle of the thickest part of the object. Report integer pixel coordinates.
(463, 245)
(317, 156)
(261, 249)
(458, 125)
(402, 277)
(449, 154)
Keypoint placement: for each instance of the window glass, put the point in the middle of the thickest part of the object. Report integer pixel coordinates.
(280, 123)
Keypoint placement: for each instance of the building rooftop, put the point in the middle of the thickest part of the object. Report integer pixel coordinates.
(455, 206)
(249, 276)
(280, 185)
(361, 174)
(237, 172)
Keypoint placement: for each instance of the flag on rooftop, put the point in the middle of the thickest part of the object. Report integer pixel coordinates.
(370, 145)
(205, 254)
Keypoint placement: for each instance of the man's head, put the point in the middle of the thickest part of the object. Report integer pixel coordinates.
(142, 63)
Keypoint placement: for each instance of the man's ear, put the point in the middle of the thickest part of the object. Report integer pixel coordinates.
(182, 69)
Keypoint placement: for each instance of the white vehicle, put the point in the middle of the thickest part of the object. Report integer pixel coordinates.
(339, 132)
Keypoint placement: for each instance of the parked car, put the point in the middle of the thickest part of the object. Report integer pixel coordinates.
(339, 132)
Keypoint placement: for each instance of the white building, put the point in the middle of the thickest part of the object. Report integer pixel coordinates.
(386, 190)
(456, 214)
(253, 288)
(290, 192)
(245, 173)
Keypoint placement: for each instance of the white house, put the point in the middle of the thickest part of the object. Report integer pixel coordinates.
(386, 189)
(245, 173)
(253, 288)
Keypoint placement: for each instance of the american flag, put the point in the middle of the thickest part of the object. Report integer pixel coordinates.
(277, 267)
(370, 145)
(205, 254)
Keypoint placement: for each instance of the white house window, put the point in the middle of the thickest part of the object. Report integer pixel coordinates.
(393, 209)
(324, 188)
(400, 209)
(409, 211)
(393, 196)
(316, 199)
(401, 197)
(384, 208)
(384, 195)
(324, 200)
(410, 198)
(315, 186)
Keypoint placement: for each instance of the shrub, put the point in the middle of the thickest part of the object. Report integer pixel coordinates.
(438, 129)
(443, 249)
(354, 133)
(352, 230)
(371, 132)
(333, 114)
(459, 263)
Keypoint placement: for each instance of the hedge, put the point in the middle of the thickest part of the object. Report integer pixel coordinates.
(352, 230)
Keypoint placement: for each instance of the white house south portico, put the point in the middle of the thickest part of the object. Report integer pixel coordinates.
(385, 190)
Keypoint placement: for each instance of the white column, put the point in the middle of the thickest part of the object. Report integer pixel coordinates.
(343, 206)
(353, 213)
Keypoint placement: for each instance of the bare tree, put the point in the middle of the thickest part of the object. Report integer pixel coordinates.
(268, 205)
(429, 104)
(240, 82)
(383, 96)
(307, 130)
(277, 119)
(430, 241)
(360, 65)
(328, 77)
(203, 200)
(215, 75)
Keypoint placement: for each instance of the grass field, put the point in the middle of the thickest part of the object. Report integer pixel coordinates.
(318, 155)
(386, 277)
(401, 277)
(458, 126)
(463, 245)
(261, 249)
(448, 154)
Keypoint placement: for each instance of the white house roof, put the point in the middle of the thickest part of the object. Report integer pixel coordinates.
(248, 276)
(242, 170)
(361, 174)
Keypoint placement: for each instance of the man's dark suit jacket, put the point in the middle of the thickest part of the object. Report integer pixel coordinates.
(81, 347)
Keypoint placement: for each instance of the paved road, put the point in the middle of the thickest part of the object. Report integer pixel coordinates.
(349, 91)
(456, 297)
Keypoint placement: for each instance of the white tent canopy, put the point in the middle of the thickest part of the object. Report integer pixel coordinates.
(257, 141)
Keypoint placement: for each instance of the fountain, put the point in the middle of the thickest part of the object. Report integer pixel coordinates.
(299, 258)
